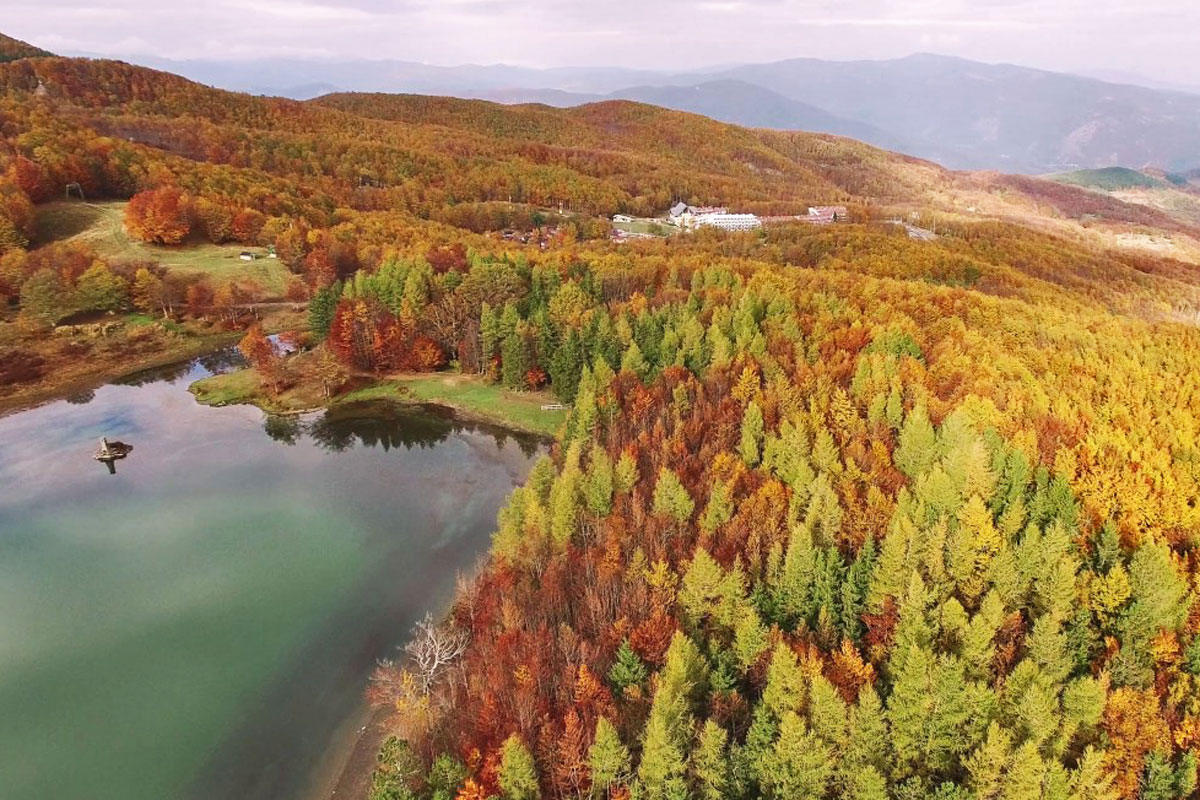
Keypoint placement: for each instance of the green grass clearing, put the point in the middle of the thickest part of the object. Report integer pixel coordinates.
(101, 226)
(474, 397)
(470, 395)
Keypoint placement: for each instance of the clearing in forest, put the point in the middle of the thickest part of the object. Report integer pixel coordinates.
(101, 226)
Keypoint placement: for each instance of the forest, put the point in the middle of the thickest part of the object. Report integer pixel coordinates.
(835, 513)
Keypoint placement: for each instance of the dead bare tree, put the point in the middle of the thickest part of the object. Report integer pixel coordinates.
(434, 648)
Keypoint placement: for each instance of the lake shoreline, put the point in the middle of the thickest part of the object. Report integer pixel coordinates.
(48, 391)
(92, 373)
(469, 397)
(346, 768)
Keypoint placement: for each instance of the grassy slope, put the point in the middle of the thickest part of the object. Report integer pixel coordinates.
(1179, 202)
(101, 226)
(1108, 179)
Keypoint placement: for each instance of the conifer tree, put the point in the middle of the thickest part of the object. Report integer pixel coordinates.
(566, 366)
(625, 475)
(608, 759)
(671, 499)
(750, 447)
(517, 775)
(321, 309)
(799, 766)
(916, 447)
(627, 669)
(633, 361)
(599, 489)
(719, 509)
(710, 763)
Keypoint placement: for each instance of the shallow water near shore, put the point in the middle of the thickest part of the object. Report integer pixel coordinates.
(202, 623)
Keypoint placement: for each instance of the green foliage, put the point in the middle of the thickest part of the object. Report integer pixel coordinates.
(446, 777)
(750, 447)
(599, 488)
(916, 448)
(45, 298)
(321, 309)
(517, 775)
(671, 499)
(98, 289)
(608, 758)
(627, 669)
(397, 771)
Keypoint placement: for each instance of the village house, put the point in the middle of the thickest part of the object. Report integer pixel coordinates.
(685, 216)
(826, 215)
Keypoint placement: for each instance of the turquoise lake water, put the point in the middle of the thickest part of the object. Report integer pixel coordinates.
(200, 624)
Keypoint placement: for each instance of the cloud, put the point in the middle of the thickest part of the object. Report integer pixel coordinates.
(1150, 36)
(298, 11)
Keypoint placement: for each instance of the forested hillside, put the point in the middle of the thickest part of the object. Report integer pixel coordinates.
(837, 511)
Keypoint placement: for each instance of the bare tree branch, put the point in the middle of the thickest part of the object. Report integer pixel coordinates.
(433, 649)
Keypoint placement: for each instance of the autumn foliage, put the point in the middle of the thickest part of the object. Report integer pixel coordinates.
(835, 512)
(160, 216)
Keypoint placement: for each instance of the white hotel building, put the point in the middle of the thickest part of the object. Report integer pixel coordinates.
(727, 222)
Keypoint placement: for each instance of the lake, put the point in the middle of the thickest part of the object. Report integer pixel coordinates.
(203, 622)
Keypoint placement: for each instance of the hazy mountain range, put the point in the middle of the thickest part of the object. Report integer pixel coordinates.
(962, 114)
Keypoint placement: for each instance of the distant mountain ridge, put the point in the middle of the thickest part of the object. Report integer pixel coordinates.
(960, 113)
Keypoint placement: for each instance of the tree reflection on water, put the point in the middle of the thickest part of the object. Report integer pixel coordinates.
(387, 426)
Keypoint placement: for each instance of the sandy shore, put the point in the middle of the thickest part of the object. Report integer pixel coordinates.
(345, 770)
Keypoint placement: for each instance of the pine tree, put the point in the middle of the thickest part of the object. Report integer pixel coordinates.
(868, 784)
(828, 715)
(671, 499)
(490, 334)
(517, 775)
(608, 758)
(566, 367)
(799, 766)
(870, 740)
(599, 487)
(785, 689)
(750, 639)
(321, 309)
(750, 447)
(971, 549)
(791, 593)
(708, 594)
(916, 448)
(625, 475)
(627, 669)
(564, 506)
(663, 768)
(719, 509)
(928, 712)
(710, 763)
(515, 357)
(633, 361)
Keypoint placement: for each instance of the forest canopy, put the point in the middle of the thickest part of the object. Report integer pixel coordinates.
(836, 512)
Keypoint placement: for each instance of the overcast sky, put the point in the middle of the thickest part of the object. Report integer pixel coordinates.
(1155, 38)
